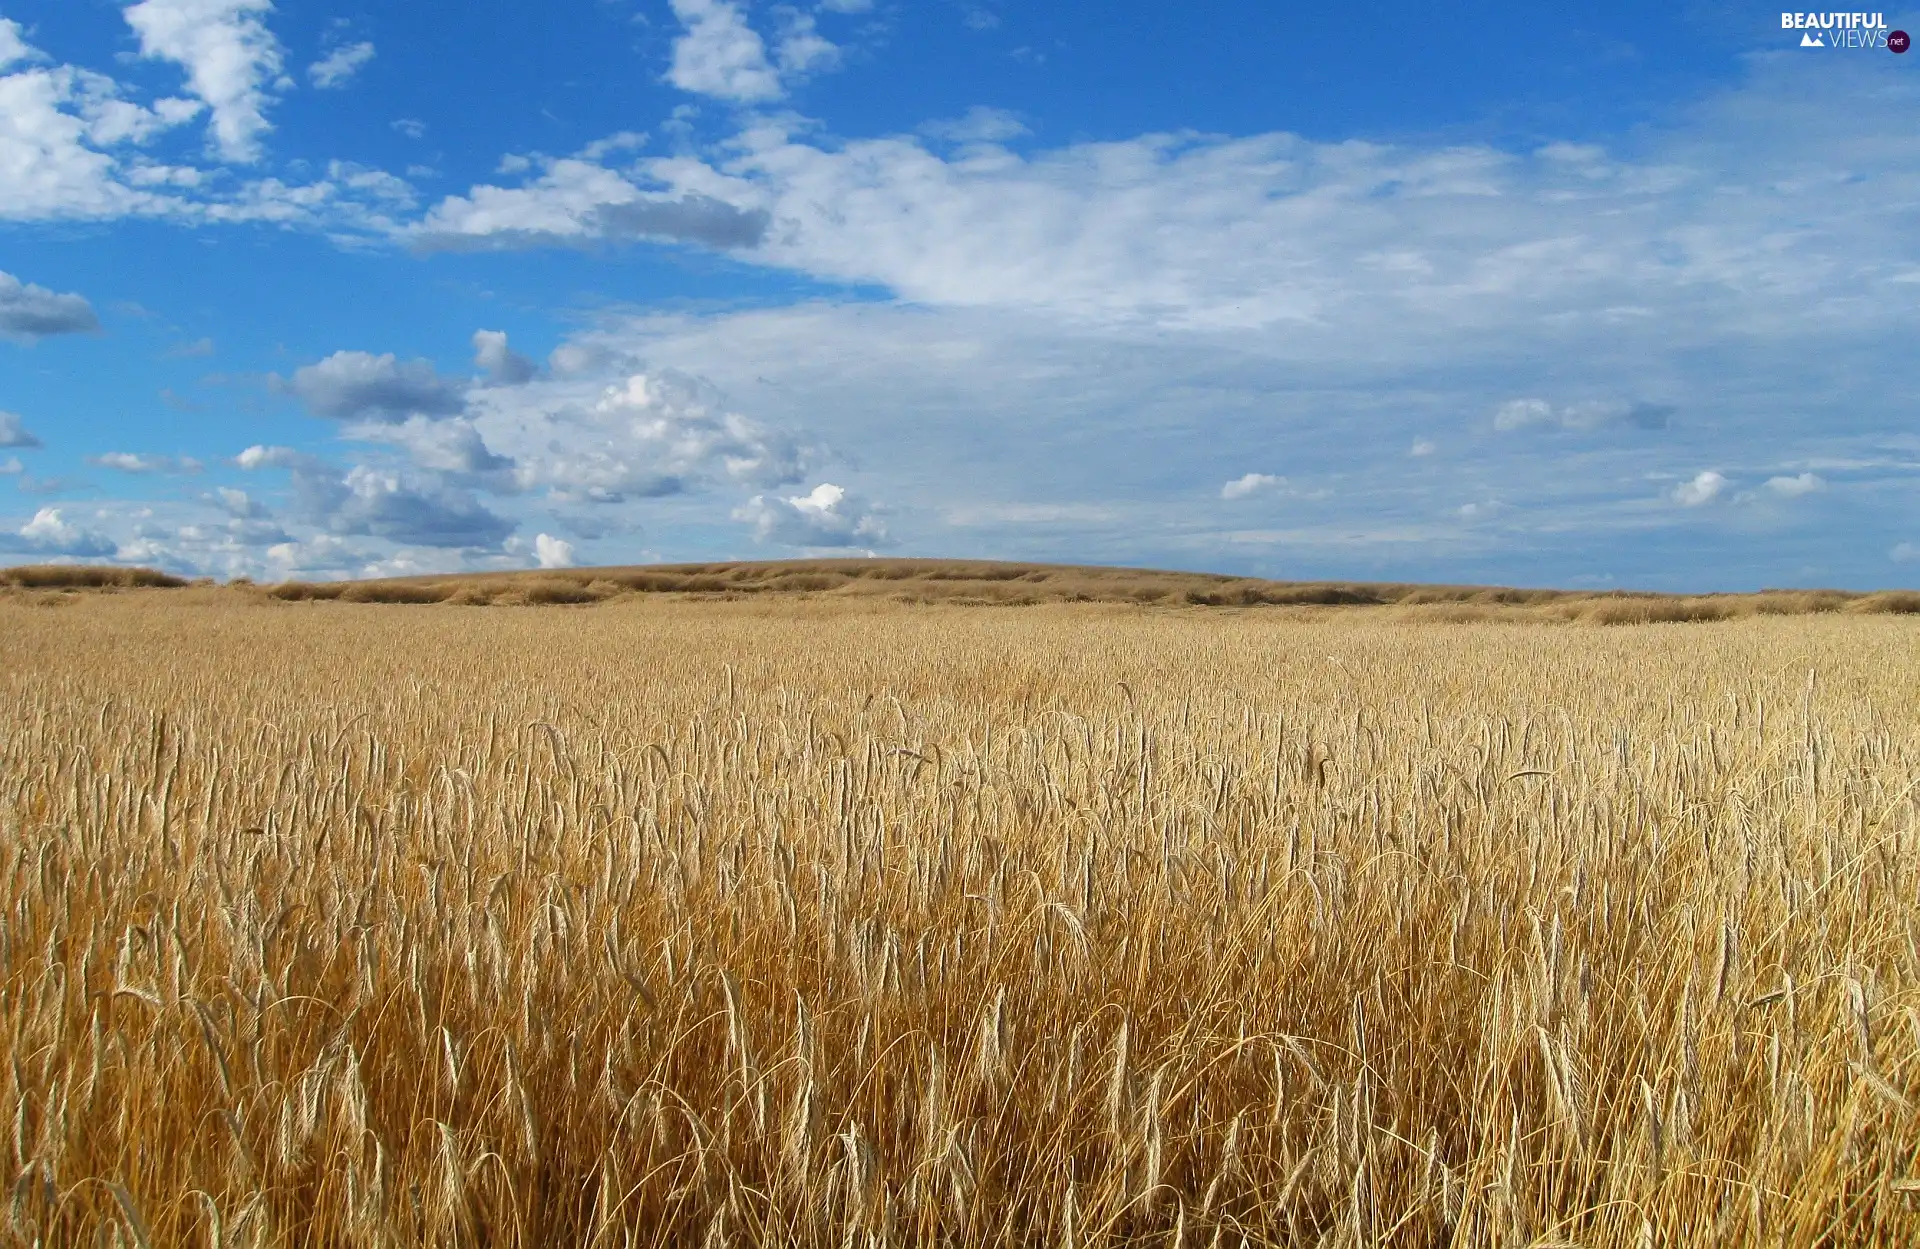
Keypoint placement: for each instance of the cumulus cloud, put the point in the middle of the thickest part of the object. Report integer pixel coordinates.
(452, 446)
(1588, 414)
(645, 436)
(11, 466)
(826, 516)
(50, 533)
(52, 172)
(237, 503)
(130, 462)
(1251, 484)
(1704, 488)
(28, 312)
(13, 433)
(501, 363)
(366, 501)
(1422, 447)
(200, 545)
(65, 135)
(381, 504)
(338, 67)
(1905, 553)
(1794, 487)
(718, 54)
(231, 59)
(357, 385)
(552, 552)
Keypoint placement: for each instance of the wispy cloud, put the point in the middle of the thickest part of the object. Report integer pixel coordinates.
(337, 68)
(131, 462)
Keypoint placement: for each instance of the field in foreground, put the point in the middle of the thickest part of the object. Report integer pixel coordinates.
(828, 923)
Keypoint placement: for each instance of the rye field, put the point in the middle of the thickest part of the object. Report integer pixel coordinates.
(791, 921)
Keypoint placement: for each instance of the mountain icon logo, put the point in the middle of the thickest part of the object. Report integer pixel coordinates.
(1811, 40)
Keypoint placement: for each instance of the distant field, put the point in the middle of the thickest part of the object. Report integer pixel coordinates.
(832, 920)
(989, 583)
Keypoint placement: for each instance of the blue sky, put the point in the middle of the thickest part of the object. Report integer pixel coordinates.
(1621, 295)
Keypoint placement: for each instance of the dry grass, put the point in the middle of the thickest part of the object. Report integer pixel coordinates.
(828, 923)
(85, 577)
(987, 583)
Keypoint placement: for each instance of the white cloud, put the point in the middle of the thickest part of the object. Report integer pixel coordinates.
(552, 552)
(257, 457)
(1794, 487)
(1728, 220)
(826, 516)
(46, 168)
(231, 60)
(450, 446)
(1587, 414)
(405, 508)
(129, 462)
(319, 555)
(719, 55)
(358, 385)
(50, 533)
(980, 125)
(1905, 553)
(237, 503)
(846, 6)
(1251, 484)
(338, 67)
(1723, 224)
(64, 135)
(575, 201)
(501, 363)
(802, 49)
(1704, 488)
(14, 433)
(1422, 447)
(572, 360)
(13, 48)
(11, 466)
(112, 120)
(648, 435)
(412, 511)
(28, 312)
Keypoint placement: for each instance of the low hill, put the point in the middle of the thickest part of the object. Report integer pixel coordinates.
(995, 583)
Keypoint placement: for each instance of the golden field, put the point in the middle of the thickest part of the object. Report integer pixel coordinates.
(845, 922)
